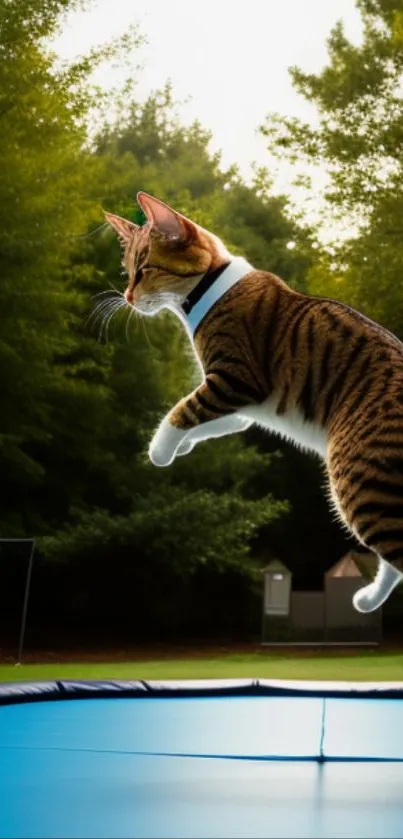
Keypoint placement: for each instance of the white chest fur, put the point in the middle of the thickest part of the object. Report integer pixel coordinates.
(292, 426)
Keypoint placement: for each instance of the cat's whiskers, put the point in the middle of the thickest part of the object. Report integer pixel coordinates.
(100, 307)
(120, 293)
(114, 295)
(121, 304)
(111, 291)
(105, 310)
(146, 334)
(108, 315)
(96, 311)
(132, 312)
(102, 313)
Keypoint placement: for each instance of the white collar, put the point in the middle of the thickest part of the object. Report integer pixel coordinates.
(234, 272)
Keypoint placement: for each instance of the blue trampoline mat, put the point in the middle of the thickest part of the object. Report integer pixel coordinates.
(201, 760)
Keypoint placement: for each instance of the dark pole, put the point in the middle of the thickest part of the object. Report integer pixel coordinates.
(26, 598)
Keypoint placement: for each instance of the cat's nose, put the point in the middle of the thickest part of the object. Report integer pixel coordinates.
(129, 296)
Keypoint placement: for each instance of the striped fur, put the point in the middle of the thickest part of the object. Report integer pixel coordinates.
(311, 369)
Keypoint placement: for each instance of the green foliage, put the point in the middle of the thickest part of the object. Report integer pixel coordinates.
(359, 140)
(169, 530)
(43, 203)
(50, 181)
(359, 106)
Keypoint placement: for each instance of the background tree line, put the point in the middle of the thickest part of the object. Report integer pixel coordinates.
(126, 551)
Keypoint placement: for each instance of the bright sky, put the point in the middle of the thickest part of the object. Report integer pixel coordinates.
(230, 57)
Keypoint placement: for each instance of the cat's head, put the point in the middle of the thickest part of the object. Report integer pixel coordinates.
(166, 257)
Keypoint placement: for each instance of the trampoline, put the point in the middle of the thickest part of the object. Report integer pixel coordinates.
(201, 759)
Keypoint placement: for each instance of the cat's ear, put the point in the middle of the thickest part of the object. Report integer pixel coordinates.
(167, 221)
(123, 226)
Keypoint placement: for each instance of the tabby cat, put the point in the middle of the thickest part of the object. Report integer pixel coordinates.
(311, 369)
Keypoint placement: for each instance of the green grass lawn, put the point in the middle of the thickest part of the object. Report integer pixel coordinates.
(368, 665)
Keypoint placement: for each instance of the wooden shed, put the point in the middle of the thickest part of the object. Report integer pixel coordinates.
(342, 580)
(276, 599)
(326, 616)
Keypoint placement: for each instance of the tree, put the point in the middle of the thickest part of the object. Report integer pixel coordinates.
(48, 198)
(359, 107)
(358, 140)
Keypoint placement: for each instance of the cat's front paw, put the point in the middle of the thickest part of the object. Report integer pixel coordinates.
(160, 458)
(165, 443)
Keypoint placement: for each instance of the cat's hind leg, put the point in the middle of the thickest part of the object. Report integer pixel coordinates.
(367, 492)
(372, 596)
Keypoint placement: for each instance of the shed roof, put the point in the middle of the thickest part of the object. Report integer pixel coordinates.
(352, 564)
(345, 567)
(276, 565)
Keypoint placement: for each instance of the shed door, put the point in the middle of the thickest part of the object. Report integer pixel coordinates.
(276, 594)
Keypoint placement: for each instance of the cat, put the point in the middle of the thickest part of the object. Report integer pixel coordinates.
(311, 369)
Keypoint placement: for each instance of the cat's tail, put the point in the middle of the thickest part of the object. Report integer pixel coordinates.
(372, 596)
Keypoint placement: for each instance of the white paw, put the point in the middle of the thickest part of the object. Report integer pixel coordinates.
(165, 443)
(371, 597)
(364, 599)
(160, 458)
